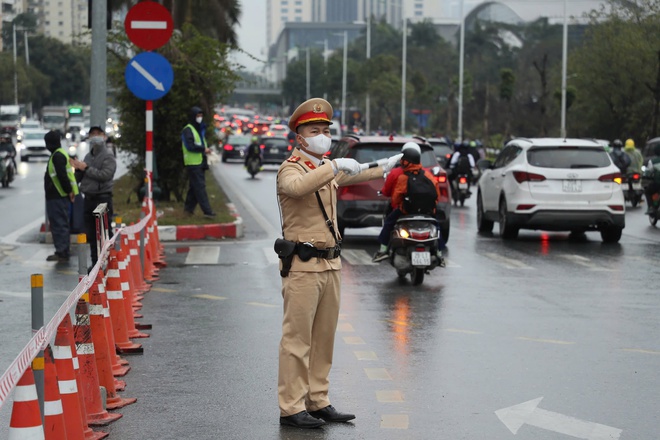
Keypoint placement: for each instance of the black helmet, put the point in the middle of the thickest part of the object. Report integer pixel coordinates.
(411, 155)
(617, 143)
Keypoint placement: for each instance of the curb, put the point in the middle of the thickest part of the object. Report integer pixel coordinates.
(204, 232)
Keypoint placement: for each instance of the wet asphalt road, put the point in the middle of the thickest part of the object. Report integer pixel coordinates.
(571, 321)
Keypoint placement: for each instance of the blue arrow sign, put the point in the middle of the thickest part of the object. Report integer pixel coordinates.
(149, 76)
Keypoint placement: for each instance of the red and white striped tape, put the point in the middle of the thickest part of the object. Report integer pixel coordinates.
(45, 334)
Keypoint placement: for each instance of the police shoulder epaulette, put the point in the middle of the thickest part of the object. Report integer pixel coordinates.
(293, 159)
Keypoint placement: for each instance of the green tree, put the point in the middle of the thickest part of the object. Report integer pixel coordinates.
(202, 77)
(617, 72)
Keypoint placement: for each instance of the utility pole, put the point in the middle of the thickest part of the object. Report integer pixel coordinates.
(404, 55)
(368, 100)
(564, 57)
(461, 65)
(99, 81)
(13, 27)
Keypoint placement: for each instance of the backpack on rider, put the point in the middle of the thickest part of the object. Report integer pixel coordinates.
(420, 195)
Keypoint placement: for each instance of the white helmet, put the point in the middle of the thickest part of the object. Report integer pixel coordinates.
(413, 145)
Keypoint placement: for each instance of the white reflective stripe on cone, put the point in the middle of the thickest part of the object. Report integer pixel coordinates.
(96, 309)
(115, 294)
(122, 265)
(31, 433)
(82, 319)
(67, 386)
(76, 365)
(85, 348)
(101, 287)
(106, 312)
(25, 393)
(113, 273)
(125, 286)
(53, 408)
(62, 352)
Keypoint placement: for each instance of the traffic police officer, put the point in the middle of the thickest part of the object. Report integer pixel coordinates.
(307, 192)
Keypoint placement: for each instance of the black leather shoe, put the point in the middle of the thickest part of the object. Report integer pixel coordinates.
(302, 420)
(330, 414)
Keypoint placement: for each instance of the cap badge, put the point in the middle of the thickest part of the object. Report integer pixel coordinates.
(317, 108)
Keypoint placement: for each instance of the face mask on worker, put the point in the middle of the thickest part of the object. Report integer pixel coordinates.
(319, 144)
(96, 139)
(198, 119)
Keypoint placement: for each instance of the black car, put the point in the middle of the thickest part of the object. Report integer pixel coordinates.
(275, 149)
(443, 151)
(234, 147)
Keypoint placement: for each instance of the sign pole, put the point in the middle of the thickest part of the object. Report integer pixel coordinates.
(149, 159)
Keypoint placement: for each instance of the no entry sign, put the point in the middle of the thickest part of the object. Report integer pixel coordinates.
(148, 25)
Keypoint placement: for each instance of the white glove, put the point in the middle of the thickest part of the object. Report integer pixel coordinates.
(348, 166)
(390, 162)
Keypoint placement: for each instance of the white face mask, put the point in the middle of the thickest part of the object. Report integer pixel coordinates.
(199, 119)
(319, 144)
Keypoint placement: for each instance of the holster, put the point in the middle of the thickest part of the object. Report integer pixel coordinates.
(285, 250)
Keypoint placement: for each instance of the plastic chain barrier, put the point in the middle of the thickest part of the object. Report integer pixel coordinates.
(45, 334)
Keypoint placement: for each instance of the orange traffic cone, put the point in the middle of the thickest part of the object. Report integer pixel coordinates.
(119, 366)
(67, 383)
(158, 247)
(117, 308)
(89, 434)
(136, 264)
(127, 292)
(25, 420)
(102, 356)
(54, 427)
(96, 415)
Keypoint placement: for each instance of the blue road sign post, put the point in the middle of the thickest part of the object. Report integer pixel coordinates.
(149, 76)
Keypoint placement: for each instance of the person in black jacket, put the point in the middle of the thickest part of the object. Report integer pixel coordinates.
(195, 149)
(61, 189)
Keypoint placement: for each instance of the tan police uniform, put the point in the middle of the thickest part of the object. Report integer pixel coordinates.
(311, 292)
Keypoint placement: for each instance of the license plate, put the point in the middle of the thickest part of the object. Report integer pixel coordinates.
(572, 186)
(273, 151)
(637, 185)
(421, 258)
(462, 186)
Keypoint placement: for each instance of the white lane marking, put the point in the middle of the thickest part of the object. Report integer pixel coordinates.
(377, 374)
(394, 421)
(39, 257)
(366, 355)
(271, 256)
(584, 262)
(13, 236)
(545, 341)
(451, 263)
(203, 255)
(213, 297)
(357, 257)
(389, 396)
(528, 412)
(258, 304)
(509, 263)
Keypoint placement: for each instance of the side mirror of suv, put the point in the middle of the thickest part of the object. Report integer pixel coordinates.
(484, 164)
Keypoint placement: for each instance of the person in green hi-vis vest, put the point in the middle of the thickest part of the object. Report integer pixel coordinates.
(61, 189)
(193, 144)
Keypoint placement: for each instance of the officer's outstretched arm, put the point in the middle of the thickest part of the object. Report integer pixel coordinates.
(294, 182)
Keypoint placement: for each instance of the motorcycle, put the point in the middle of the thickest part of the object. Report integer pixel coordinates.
(654, 213)
(253, 166)
(632, 188)
(7, 170)
(460, 189)
(413, 246)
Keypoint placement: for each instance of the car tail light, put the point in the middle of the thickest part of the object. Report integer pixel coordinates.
(524, 207)
(612, 177)
(289, 147)
(448, 156)
(442, 178)
(262, 146)
(420, 235)
(462, 179)
(635, 176)
(228, 147)
(616, 207)
(524, 176)
(444, 192)
(420, 249)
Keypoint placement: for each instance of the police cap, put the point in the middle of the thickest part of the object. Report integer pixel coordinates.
(312, 110)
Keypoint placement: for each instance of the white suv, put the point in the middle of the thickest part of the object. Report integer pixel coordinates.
(552, 184)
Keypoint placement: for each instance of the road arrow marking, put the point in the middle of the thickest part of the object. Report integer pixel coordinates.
(157, 84)
(515, 416)
(138, 24)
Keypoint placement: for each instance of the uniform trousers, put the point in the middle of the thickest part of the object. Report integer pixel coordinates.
(197, 190)
(311, 310)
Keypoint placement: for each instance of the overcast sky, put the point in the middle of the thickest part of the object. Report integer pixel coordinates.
(252, 30)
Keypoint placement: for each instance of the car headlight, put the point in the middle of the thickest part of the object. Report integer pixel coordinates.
(73, 150)
(20, 146)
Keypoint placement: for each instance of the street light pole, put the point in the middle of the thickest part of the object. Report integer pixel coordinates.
(404, 55)
(343, 81)
(368, 100)
(564, 57)
(309, 94)
(13, 27)
(461, 66)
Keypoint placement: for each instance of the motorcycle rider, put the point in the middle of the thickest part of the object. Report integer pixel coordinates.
(253, 150)
(390, 180)
(620, 159)
(654, 187)
(461, 162)
(636, 158)
(410, 162)
(7, 145)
